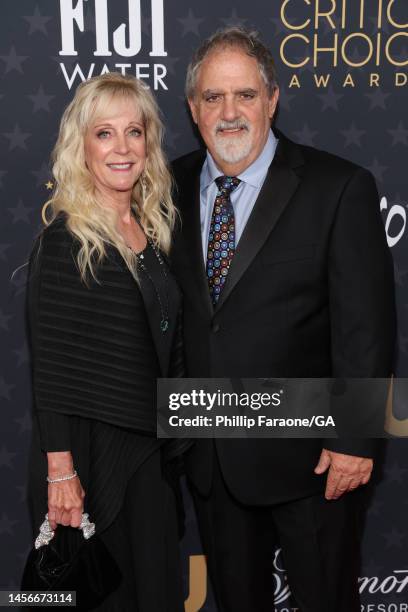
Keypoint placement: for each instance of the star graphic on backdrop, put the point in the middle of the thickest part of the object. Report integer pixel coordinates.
(22, 490)
(49, 185)
(377, 98)
(20, 212)
(402, 343)
(190, 23)
(4, 321)
(330, 99)
(6, 457)
(399, 275)
(41, 100)
(24, 422)
(394, 538)
(22, 354)
(7, 525)
(233, 19)
(395, 473)
(280, 27)
(37, 22)
(285, 98)
(3, 249)
(42, 174)
(352, 135)
(5, 389)
(306, 135)
(399, 135)
(170, 63)
(2, 174)
(13, 61)
(375, 507)
(17, 138)
(377, 169)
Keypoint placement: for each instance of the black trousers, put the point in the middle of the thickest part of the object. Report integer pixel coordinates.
(320, 543)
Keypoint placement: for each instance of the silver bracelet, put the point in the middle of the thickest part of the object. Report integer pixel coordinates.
(62, 478)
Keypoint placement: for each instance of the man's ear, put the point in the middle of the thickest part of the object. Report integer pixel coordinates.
(193, 109)
(273, 101)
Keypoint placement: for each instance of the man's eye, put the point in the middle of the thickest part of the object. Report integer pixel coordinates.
(103, 134)
(214, 98)
(247, 96)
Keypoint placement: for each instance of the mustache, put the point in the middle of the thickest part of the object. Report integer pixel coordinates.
(232, 125)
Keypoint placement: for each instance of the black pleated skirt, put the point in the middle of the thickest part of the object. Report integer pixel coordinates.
(143, 540)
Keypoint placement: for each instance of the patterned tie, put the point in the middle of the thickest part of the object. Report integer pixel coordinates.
(221, 238)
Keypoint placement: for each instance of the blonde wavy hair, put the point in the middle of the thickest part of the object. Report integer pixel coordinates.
(92, 223)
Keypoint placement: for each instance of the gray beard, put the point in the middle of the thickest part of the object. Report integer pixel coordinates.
(233, 149)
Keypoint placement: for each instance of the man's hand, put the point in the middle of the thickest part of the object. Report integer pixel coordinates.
(346, 472)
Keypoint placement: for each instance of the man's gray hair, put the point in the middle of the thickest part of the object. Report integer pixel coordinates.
(233, 36)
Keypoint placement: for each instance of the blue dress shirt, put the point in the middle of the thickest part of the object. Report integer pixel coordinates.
(243, 197)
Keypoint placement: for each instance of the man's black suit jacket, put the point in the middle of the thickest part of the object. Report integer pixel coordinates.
(309, 294)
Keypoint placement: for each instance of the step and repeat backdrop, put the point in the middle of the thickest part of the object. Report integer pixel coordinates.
(342, 67)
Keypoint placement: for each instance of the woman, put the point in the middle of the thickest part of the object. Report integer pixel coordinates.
(104, 314)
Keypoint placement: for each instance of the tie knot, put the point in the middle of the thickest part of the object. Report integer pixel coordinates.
(227, 184)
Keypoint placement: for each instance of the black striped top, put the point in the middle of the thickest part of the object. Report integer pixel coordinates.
(96, 353)
(95, 348)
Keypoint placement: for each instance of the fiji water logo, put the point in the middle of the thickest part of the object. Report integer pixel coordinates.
(110, 38)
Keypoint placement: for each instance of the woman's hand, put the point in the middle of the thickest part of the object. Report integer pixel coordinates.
(66, 498)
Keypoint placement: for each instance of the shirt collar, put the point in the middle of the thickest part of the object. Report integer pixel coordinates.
(253, 175)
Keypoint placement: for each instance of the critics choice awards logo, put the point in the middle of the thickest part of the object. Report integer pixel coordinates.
(123, 40)
(331, 38)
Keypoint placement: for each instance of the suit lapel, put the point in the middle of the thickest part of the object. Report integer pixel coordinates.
(279, 186)
(190, 205)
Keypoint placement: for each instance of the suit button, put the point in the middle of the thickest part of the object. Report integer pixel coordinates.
(215, 328)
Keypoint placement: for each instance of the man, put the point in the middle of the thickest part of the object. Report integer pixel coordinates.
(282, 258)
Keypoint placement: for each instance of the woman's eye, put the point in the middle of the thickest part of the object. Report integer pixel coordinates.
(136, 132)
(103, 134)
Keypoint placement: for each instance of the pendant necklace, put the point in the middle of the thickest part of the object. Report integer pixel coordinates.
(164, 307)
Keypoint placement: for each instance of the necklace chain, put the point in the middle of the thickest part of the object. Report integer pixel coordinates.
(164, 308)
